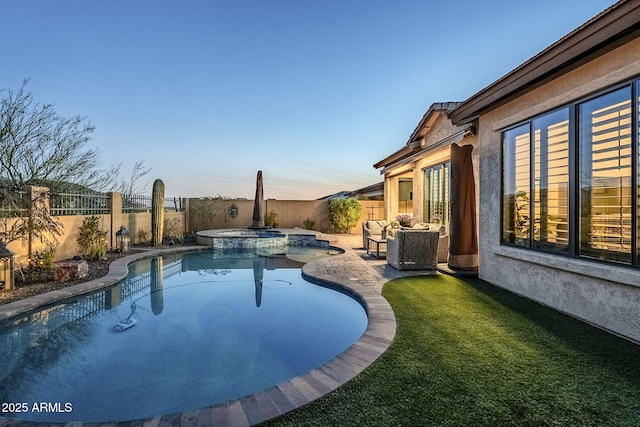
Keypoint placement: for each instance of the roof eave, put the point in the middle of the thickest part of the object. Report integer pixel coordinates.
(396, 156)
(604, 32)
(414, 145)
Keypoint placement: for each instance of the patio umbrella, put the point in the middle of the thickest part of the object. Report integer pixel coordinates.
(258, 201)
(157, 294)
(463, 246)
(258, 275)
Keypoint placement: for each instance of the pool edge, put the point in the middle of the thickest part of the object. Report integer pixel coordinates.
(281, 398)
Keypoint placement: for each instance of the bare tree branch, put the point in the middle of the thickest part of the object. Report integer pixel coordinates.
(37, 145)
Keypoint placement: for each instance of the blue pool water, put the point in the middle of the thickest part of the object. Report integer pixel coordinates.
(207, 330)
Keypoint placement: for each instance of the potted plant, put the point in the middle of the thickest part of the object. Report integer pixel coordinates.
(404, 220)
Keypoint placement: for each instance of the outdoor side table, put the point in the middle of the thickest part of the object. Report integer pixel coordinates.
(377, 242)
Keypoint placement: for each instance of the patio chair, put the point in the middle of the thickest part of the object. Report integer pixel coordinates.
(443, 245)
(413, 249)
(372, 229)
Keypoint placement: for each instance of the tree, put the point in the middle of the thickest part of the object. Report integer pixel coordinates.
(344, 214)
(31, 220)
(38, 147)
(132, 186)
(206, 209)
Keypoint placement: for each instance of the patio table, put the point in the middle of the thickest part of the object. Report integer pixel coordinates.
(378, 242)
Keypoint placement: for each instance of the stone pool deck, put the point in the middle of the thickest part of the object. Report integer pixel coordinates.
(362, 275)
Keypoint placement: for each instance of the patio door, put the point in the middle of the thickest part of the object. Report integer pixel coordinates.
(437, 197)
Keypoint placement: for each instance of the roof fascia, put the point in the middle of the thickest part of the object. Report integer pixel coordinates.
(413, 145)
(603, 33)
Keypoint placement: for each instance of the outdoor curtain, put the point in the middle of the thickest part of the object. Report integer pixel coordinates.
(463, 246)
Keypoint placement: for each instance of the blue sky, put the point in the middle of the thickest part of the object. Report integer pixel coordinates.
(312, 93)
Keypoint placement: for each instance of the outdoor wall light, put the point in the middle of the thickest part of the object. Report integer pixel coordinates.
(123, 240)
(7, 281)
(233, 210)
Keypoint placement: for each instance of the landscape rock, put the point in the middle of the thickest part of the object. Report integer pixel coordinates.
(70, 270)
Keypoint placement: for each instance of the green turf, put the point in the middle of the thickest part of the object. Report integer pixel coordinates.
(467, 353)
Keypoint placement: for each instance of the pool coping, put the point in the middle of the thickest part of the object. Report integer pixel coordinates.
(269, 403)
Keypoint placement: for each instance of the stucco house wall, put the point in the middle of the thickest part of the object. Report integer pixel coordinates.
(439, 131)
(603, 294)
(435, 128)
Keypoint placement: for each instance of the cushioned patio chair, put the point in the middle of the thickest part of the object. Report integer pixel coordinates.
(443, 243)
(372, 229)
(413, 249)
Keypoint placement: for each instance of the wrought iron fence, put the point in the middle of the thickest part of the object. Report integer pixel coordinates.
(13, 204)
(83, 202)
(175, 203)
(78, 203)
(135, 203)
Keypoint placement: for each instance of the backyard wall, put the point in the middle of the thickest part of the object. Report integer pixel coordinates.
(109, 223)
(289, 214)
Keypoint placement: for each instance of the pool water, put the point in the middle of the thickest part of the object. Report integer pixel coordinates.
(207, 330)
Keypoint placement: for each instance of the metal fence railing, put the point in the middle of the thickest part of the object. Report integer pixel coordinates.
(175, 203)
(78, 203)
(136, 203)
(83, 202)
(14, 204)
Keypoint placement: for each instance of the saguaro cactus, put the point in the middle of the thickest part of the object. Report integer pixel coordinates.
(157, 212)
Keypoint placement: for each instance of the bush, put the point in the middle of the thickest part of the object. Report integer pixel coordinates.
(97, 251)
(344, 214)
(270, 219)
(42, 259)
(143, 235)
(90, 235)
(309, 223)
(173, 231)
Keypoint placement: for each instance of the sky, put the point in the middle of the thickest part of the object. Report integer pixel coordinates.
(313, 93)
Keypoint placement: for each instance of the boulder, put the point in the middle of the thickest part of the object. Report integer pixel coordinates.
(70, 270)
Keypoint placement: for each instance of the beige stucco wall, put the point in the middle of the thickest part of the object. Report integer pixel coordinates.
(289, 214)
(605, 295)
(441, 129)
(67, 242)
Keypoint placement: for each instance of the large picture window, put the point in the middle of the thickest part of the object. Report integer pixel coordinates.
(605, 176)
(568, 179)
(436, 198)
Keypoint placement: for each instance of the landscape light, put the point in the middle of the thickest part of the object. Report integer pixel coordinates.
(123, 240)
(6, 268)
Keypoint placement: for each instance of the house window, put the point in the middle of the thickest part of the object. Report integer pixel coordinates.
(436, 198)
(568, 179)
(550, 206)
(516, 178)
(605, 176)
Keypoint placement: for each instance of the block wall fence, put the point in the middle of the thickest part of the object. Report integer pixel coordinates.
(289, 214)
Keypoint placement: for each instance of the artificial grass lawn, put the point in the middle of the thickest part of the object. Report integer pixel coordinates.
(468, 353)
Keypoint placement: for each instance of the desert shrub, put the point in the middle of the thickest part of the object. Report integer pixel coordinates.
(89, 234)
(344, 214)
(270, 219)
(42, 259)
(309, 223)
(172, 230)
(207, 208)
(143, 235)
(97, 251)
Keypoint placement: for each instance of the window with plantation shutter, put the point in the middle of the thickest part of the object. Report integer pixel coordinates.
(571, 179)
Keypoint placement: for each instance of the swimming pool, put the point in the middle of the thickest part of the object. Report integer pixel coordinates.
(207, 330)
